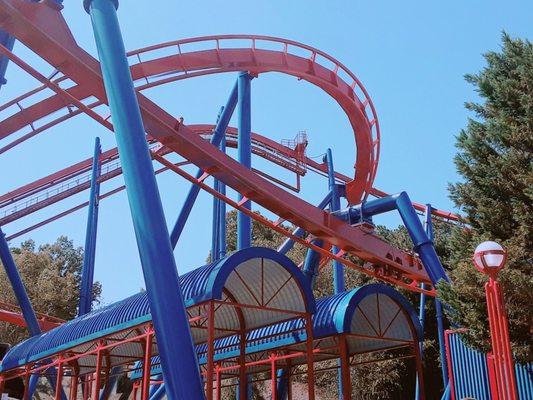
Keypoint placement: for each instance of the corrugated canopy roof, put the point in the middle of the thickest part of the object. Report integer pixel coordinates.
(373, 317)
(253, 276)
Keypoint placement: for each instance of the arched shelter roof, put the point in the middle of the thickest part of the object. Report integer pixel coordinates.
(269, 283)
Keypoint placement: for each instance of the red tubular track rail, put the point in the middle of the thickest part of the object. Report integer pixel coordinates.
(43, 29)
(12, 314)
(337, 81)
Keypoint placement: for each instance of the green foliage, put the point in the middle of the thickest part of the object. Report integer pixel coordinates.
(52, 277)
(496, 194)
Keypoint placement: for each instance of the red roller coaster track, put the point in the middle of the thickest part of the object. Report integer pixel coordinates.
(78, 89)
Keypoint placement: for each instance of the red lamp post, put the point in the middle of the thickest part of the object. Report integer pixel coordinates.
(489, 258)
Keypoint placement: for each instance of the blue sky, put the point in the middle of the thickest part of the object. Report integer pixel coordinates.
(411, 57)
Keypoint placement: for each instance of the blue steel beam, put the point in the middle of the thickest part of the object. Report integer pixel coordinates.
(178, 358)
(110, 384)
(335, 205)
(87, 272)
(288, 244)
(428, 226)
(218, 134)
(438, 305)
(421, 243)
(159, 393)
(18, 287)
(222, 248)
(338, 268)
(442, 345)
(244, 142)
(310, 270)
(282, 384)
(215, 242)
(25, 306)
(312, 261)
(8, 42)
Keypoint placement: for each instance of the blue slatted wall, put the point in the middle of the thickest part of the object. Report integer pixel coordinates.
(470, 374)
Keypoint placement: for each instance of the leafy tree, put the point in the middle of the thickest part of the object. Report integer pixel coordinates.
(496, 195)
(52, 275)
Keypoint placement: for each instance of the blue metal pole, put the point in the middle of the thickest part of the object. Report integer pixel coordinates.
(18, 287)
(335, 205)
(8, 42)
(178, 358)
(110, 384)
(24, 303)
(442, 346)
(438, 306)
(215, 223)
(422, 244)
(310, 270)
(87, 272)
(282, 384)
(288, 244)
(215, 231)
(312, 261)
(218, 134)
(338, 268)
(244, 223)
(158, 395)
(428, 225)
(222, 212)
(447, 393)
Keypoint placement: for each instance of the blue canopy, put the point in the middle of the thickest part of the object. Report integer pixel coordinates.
(238, 275)
(374, 317)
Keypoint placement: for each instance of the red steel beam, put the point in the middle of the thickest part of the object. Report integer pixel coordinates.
(11, 314)
(43, 30)
(216, 60)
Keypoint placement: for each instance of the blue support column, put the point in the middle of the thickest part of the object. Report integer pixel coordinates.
(338, 268)
(222, 212)
(215, 241)
(159, 393)
(178, 358)
(438, 307)
(428, 225)
(299, 232)
(335, 205)
(442, 345)
(244, 222)
(282, 384)
(8, 42)
(218, 134)
(18, 287)
(110, 384)
(25, 305)
(215, 231)
(312, 261)
(421, 243)
(87, 272)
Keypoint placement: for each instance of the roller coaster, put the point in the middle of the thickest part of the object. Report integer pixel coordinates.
(248, 316)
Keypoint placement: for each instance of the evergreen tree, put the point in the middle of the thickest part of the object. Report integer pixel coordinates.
(496, 195)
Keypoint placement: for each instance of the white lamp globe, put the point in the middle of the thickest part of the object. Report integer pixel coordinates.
(489, 256)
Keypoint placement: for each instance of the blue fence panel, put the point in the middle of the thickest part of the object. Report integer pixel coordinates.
(470, 373)
(524, 381)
